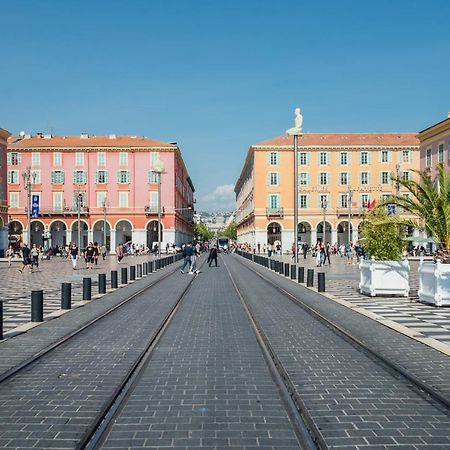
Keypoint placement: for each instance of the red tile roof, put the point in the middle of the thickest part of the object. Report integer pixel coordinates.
(344, 139)
(91, 141)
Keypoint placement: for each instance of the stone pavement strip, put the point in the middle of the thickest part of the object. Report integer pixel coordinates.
(50, 404)
(356, 403)
(207, 385)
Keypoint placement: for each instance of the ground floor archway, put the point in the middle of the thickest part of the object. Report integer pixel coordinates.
(83, 233)
(58, 233)
(320, 232)
(124, 232)
(273, 233)
(342, 232)
(37, 231)
(304, 232)
(98, 234)
(152, 233)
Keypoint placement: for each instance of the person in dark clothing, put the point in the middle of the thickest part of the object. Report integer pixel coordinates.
(188, 251)
(26, 255)
(212, 256)
(305, 250)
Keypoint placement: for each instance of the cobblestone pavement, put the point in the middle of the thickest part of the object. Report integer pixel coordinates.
(207, 385)
(356, 403)
(342, 282)
(16, 287)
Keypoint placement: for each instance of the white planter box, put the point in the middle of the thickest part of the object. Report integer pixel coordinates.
(384, 277)
(434, 283)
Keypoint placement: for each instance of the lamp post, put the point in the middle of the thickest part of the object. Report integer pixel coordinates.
(27, 177)
(158, 168)
(79, 198)
(349, 199)
(324, 207)
(104, 222)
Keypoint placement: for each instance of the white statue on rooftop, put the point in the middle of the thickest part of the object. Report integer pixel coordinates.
(297, 130)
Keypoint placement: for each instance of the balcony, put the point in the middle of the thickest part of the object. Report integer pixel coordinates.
(153, 210)
(274, 212)
(343, 212)
(67, 211)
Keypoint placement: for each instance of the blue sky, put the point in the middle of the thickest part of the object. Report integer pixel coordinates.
(217, 76)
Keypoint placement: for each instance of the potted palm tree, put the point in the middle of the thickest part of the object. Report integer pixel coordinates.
(429, 203)
(384, 273)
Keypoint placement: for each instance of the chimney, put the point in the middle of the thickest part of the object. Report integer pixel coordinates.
(84, 135)
(112, 136)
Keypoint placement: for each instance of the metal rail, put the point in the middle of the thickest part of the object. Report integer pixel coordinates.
(307, 433)
(420, 386)
(19, 367)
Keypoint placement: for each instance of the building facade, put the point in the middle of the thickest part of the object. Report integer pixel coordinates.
(435, 145)
(4, 135)
(109, 181)
(339, 177)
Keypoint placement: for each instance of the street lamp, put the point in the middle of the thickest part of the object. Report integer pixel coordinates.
(104, 221)
(349, 200)
(158, 168)
(79, 199)
(324, 207)
(27, 177)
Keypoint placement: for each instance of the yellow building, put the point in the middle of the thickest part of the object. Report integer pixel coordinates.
(339, 176)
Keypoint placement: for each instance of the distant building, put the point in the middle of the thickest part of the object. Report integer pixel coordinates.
(435, 145)
(3, 192)
(114, 179)
(339, 177)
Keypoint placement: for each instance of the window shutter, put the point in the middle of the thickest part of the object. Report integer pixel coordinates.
(118, 176)
(8, 159)
(128, 177)
(279, 178)
(268, 158)
(268, 178)
(349, 158)
(389, 156)
(106, 176)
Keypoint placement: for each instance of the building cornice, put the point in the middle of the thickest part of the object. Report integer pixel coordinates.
(12, 148)
(435, 130)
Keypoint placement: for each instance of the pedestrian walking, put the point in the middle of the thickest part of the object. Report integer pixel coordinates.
(188, 251)
(89, 255)
(196, 252)
(35, 256)
(26, 258)
(10, 254)
(73, 252)
(119, 253)
(103, 251)
(212, 256)
(96, 253)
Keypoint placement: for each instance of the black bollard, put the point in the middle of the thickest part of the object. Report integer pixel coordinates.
(145, 269)
(87, 288)
(37, 306)
(286, 269)
(1, 320)
(132, 273)
(114, 282)
(139, 270)
(102, 283)
(310, 278)
(293, 271)
(66, 295)
(124, 275)
(150, 267)
(280, 267)
(301, 274)
(321, 282)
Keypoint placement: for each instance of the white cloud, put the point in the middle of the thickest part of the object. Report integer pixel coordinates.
(222, 198)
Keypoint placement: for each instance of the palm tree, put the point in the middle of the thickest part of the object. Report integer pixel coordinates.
(430, 204)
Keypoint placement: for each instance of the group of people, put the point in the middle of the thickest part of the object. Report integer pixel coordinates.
(90, 254)
(191, 252)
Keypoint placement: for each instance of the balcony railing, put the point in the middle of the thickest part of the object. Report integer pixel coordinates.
(274, 212)
(150, 210)
(67, 211)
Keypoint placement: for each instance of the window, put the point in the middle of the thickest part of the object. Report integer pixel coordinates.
(57, 177)
(303, 201)
(343, 200)
(57, 201)
(343, 158)
(364, 158)
(123, 176)
(406, 156)
(406, 176)
(364, 200)
(153, 177)
(14, 159)
(385, 156)
(323, 178)
(323, 158)
(364, 178)
(79, 177)
(13, 176)
(35, 159)
(123, 199)
(428, 158)
(303, 179)
(123, 159)
(323, 201)
(101, 159)
(385, 178)
(274, 200)
(14, 199)
(273, 179)
(101, 176)
(441, 153)
(36, 177)
(101, 197)
(273, 158)
(344, 178)
(57, 159)
(154, 156)
(154, 200)
(79, 159)
(303, 158)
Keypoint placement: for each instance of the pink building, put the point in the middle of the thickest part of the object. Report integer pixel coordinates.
(435, 145)
(113, 178)
(3, 192)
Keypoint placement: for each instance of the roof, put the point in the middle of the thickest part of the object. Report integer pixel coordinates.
(343, 139)
(39, 141)
(437, 128)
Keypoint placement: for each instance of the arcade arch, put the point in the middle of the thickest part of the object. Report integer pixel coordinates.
(274, 233)
(152, 233)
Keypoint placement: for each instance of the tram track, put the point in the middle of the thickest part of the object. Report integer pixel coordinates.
(13, 371)
(428, 393)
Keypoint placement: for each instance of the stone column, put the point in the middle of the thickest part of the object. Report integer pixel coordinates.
(313, 237)
(334, 237)
(113, 243)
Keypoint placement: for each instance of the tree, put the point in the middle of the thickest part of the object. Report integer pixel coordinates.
(202, 232)
(429, 203)
(229, 231)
